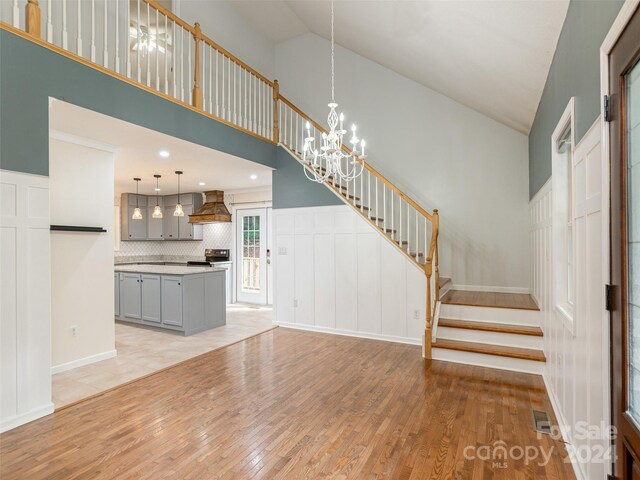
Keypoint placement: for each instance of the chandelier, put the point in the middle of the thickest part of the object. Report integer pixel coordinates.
(331, 161)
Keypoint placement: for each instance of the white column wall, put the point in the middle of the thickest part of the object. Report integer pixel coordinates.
(576, 371)
(25, 297)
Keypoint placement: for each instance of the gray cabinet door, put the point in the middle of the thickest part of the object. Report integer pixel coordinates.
(150, 298)
(131, 298)
(185, 229)
(170, 223)
(137, 229)
(116, 291)
(155, 226)
(172, 301)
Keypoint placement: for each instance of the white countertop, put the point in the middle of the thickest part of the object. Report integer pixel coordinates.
(166, 269)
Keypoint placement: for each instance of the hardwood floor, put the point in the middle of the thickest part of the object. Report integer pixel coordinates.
(490, 299)
(296, 405)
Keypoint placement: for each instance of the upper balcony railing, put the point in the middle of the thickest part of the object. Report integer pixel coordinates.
(144, 43)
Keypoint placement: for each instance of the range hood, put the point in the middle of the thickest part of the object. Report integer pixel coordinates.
(213, 211)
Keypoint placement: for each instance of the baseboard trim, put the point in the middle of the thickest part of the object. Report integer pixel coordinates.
(562, 423)
(27, 417)
(81, 362)
(351, 333)
(482, 288)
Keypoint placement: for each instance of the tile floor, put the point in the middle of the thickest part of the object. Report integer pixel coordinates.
(142, 351)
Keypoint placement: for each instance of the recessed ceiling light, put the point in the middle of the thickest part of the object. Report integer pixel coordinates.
(253, 176)
(202, 184)
(157, 189)
(163, 153)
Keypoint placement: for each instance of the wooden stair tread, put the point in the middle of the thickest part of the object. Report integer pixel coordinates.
(498, 350)
(491, 327)
(518, 301)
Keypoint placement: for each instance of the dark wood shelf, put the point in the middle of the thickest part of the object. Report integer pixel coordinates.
(76, 228)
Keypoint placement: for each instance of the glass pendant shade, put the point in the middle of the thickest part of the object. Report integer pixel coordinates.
(157, 210)
(178, 212)
(137, 213)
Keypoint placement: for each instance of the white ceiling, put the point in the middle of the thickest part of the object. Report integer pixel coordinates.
(492, 56)
(137, 155)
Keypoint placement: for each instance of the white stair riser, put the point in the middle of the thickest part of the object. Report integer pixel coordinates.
(490, 361)
(490, 338)
(445, 289)
(492, 315)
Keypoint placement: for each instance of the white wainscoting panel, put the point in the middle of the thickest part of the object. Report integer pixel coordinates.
(335, 273)
(25, 298)
(576, 370)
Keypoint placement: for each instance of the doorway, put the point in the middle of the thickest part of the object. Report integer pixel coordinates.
(624, 133)
(253, 260)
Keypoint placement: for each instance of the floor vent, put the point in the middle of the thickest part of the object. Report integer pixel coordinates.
(541, 422)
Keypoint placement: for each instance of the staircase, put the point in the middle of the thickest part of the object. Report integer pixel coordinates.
(199, 74)
(397, 217)
(496, 330)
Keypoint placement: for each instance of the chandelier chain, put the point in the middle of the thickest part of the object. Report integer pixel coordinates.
(333, 68)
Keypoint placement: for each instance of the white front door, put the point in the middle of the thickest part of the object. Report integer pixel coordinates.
(251, 264)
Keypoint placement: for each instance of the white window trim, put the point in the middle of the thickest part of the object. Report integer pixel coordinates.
(559, 218)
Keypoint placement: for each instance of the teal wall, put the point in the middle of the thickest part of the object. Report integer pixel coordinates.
(291, 188)
(575, 72)
(29, 74)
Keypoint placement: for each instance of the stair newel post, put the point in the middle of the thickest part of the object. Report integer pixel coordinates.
(196, 99)
(276, 122)
(32, 18)
(428, 267)
(436, 234)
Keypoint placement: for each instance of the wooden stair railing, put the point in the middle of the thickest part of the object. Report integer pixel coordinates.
(185, 66)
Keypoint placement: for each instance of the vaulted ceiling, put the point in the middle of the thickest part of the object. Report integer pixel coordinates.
(492, 56)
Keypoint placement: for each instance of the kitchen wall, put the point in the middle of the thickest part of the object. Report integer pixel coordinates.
(445, 155)
(216, 235)
(574, 72)
(82, 289)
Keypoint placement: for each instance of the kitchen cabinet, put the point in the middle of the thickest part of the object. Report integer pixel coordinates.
(179, 298)
(155, 226)
(172, 301)
(131, 297)
(150, 297)
(170, 223)
(166, 228)
(133, 229)
(116, 290)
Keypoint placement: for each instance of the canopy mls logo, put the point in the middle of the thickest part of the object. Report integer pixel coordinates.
(589, 444)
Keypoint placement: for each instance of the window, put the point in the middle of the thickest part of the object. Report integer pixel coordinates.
(562, 146)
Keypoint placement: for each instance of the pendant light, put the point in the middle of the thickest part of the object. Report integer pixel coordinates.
(157, 211)
(178, 211)
(137, 214)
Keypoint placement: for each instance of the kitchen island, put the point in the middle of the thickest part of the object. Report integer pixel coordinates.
(182, 299)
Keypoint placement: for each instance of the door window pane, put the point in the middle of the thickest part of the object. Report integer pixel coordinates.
(633, 236)
(251, 253)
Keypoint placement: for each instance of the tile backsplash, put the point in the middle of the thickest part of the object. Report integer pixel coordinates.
(214, 235)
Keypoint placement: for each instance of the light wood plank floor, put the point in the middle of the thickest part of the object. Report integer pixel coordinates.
(295, 405)
(143, 351)
(490, 299)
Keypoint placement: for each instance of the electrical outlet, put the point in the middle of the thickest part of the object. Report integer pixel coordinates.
(74, 331)
(416, 314)
(295, 304)
(282, 250)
